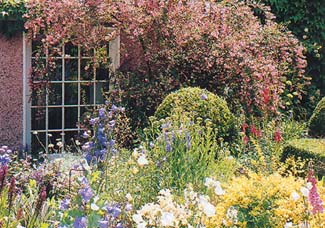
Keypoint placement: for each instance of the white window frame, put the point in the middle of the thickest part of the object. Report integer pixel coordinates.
(114, 54)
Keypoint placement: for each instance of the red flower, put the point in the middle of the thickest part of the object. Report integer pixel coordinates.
(245, 139)
(244, 127)
(277, 136)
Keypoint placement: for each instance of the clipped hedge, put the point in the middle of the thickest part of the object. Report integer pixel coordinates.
(200, 105)
(307, 149)
(317, 120)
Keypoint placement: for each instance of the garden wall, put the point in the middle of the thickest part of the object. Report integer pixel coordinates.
(11, 91)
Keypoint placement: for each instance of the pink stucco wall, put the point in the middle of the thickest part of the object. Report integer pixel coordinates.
(11, 91)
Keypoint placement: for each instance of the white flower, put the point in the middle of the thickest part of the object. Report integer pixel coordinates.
(96, 198)
(51, 145)
(295, 196)
(232, 214)
(137, 218)
(142, 225)
(59, 144)
(142, 160)
(218, 189)
(288, 225)
(309, 185)
(304, 191)
(129, 197)
(208, 209)
(167, 219)
(210, 183)
(94, 207)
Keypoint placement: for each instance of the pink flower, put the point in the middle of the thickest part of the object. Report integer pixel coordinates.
(313, 197)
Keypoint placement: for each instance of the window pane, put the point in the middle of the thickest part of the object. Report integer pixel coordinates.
(55, 94)
(86, 53)
(55, 137)
(71, 50)
(71, 94)
(55, 118)
(56, 74)
(70, 136)
(101, 88)
(38, 119)
(71, 69)
(87, 93)
(70, 117)
(86, 71)
(38, 143)
(102, 73)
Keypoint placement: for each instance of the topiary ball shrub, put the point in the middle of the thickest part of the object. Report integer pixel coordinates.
(307, 149)
(317, 120)
(200, 105)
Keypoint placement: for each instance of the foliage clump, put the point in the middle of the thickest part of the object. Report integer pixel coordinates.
(317, 120)
(200, 105)
(221, 46)
(256, 200)
(307, 149)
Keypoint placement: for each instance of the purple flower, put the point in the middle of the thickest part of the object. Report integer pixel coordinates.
(119, 225)
(4, 159)
(93, 121)
(84, 181)
(114, 108)
(65, 203)
(111, 142)
(86, 194)
(103, 224)
(101, 112)
(128, 207)
(113, 210)
(168, 147)
(80, 222)
(85, 135)
(111, 124)
(204, 96)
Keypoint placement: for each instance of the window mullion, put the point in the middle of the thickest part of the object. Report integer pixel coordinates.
(79, 88)
(63, 95)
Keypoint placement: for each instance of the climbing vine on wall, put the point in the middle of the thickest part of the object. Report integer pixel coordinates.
(52, 24)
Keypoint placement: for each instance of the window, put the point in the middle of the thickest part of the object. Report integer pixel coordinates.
(71, 91)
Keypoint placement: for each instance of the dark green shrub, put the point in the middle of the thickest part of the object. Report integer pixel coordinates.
(317, 120)
(200, 105)
(307, 149)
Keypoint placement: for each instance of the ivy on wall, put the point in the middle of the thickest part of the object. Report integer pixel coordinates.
(11, 16)
(306, 20)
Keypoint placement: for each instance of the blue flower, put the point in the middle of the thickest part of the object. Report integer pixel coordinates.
(65, 203)
(80, 222)
(86, 193)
